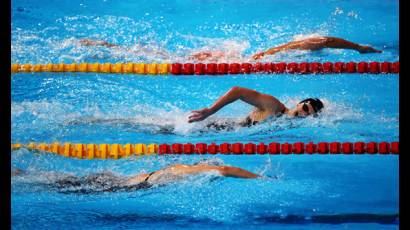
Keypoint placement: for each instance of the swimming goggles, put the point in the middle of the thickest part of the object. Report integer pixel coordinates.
(305, 107)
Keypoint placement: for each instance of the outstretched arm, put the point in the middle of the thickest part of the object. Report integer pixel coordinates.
(252, 97)
(229, 171)
(318, 43)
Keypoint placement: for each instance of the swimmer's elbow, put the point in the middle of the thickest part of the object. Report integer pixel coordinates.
(236, 92)
(223, 170)
(239, 91)
(328, 41)
(236, 89)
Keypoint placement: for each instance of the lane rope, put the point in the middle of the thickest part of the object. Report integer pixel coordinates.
(117, 151)
(214, 68)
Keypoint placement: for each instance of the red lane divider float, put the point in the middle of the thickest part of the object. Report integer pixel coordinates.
(282, 67)
(282, 148)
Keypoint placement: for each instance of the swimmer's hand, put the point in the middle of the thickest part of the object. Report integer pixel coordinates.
(368, 49)
(199, 115)
(258, 55)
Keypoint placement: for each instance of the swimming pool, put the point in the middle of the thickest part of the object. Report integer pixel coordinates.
(314, 191)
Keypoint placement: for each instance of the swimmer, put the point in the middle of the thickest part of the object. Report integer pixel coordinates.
(317, 43)
(108, 182)
(265, 106)
(138, 48)
(198, 56)
(88, 42)
(312, 44)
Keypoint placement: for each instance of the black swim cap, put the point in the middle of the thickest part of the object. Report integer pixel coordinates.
(317, 104)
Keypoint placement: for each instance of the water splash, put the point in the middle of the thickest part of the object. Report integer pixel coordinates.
(146, 40)
(60, 119)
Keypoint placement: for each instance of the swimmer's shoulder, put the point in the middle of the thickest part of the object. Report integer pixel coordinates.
(178, 166)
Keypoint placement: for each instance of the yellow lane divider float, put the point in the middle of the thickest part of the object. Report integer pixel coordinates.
(91, 151)
(126, 68)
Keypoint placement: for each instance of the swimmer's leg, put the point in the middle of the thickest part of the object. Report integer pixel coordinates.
(68, 181)
(224, 125)
(229, 171)
(16, 171)
(166, 130)
(216, 126)
(201, 56)
(88, 42)
(207, 55)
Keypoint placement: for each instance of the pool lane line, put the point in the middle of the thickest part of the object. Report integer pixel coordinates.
(214, 68)
(116, 151)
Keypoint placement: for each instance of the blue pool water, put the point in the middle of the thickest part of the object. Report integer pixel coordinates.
(329, 192)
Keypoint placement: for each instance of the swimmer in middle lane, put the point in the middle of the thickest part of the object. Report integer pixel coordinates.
(265, 106)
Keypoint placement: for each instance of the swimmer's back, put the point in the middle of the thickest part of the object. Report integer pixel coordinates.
(96, 182)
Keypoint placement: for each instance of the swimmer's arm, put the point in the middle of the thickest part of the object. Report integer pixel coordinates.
(316, 44)
(236, 172)
(276, 49)
(252, 97)
(339, 43)
(307, 44)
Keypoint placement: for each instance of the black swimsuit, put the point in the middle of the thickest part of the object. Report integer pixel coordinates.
(145, 184)
(98, 182)
(248, 122)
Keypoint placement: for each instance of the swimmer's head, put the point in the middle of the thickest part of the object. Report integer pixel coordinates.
(309, 106)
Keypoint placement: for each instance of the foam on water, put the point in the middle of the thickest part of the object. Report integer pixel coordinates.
(62, 118)
(139, 40)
